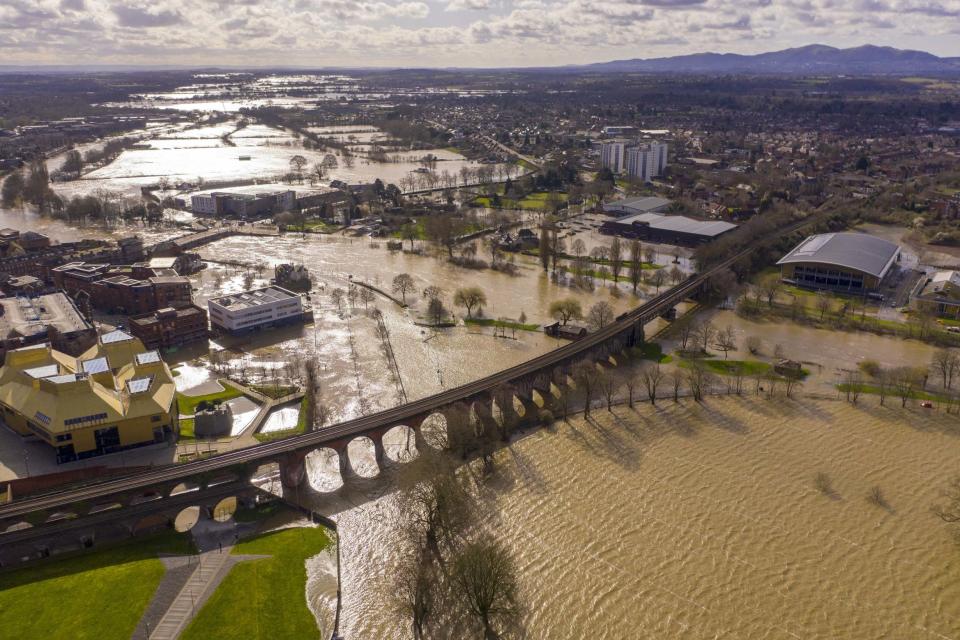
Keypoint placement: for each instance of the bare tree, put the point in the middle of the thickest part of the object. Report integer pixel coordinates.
(402, 284)
(616, 258)
(698, 379)
(676, 381)
(608, 386)
(483, 575)
(823, 304)
(585, 377)
(946, 363)
(853, 385)
(703, 334)
(366, 297)
(685, 330)
(600, 315)
(657, 278)
(297, 163)
(636, 264)
(769, 286)
(652, 376)
(470, 297)
(726, 340)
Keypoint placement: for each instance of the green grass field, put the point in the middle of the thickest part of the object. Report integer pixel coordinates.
(531, 202)
(99, 595)
(266, 598)
(652, 351)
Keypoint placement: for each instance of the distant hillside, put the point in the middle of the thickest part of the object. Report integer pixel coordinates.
(813, 59)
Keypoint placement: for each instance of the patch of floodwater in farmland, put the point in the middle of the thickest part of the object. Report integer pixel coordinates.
(281, 418)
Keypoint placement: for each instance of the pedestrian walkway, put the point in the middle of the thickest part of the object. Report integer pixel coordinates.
(211, 568)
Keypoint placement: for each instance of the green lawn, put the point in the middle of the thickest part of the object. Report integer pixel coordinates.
(531, 202)
(729, 367)
(652, 351)
(98, 595)
(187, 429)
(264, 598)
(506, 324)
(188, 404)
(275, 391)
(286, 433)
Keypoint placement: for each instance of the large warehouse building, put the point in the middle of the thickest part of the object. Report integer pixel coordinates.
(677, 230)
(854, 262)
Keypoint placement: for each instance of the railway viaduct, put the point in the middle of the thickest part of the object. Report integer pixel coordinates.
(152, 498)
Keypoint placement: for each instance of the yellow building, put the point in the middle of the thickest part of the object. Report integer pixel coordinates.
(115, 396)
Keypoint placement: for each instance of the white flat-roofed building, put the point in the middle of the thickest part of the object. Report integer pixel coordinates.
(240, 313)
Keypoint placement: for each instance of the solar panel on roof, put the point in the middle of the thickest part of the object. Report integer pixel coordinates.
(115, 336)
(139, 385)
(96, 365)
(43, 372)
(148, 357)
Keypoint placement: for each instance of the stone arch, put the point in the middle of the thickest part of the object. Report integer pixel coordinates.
(225, 509)
(400, 444)
(323, 469)
(104, 506)
(432, 432)
(187, 486)
(360, 458)
(18, 526)
(188, 517)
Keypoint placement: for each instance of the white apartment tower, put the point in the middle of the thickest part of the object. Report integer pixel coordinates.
(646, 161)
(612, 155)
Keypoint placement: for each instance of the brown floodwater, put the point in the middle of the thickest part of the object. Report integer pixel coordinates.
(699, 521)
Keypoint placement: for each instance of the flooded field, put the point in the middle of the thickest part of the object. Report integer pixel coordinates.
(222, 152)
(700, 521)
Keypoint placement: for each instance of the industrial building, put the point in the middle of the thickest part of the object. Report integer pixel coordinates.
(49, 318)
(244, 205)
(115, 396)
(241, 313)
(851, 262)
(633, 206)
(939, 294)
(676, 230)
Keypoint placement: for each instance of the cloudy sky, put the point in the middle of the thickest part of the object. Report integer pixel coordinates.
(440, 33)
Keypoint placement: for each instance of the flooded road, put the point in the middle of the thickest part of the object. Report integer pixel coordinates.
(700, 521)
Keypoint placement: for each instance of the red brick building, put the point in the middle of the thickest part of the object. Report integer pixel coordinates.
(170, 327)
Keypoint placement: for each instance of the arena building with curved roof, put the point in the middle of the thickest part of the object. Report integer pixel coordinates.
(852, 262)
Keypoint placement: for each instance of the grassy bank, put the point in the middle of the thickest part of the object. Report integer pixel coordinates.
(652, 351)
(505, 324)
(266, 598)
(99, 595)
(188, 404)
(286, 433)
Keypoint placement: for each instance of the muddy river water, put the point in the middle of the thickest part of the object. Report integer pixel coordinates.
(697, 521)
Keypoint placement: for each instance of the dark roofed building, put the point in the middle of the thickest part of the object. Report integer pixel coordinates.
(633, 206)
(170, 327)
(678, 230)
(854, 262)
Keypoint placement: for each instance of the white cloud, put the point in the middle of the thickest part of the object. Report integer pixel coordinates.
(452, 32)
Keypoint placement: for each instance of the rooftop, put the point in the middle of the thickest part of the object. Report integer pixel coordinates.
(857, 251)
(25, 317)
(253, 298)
(680, 224)
(639, 205)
